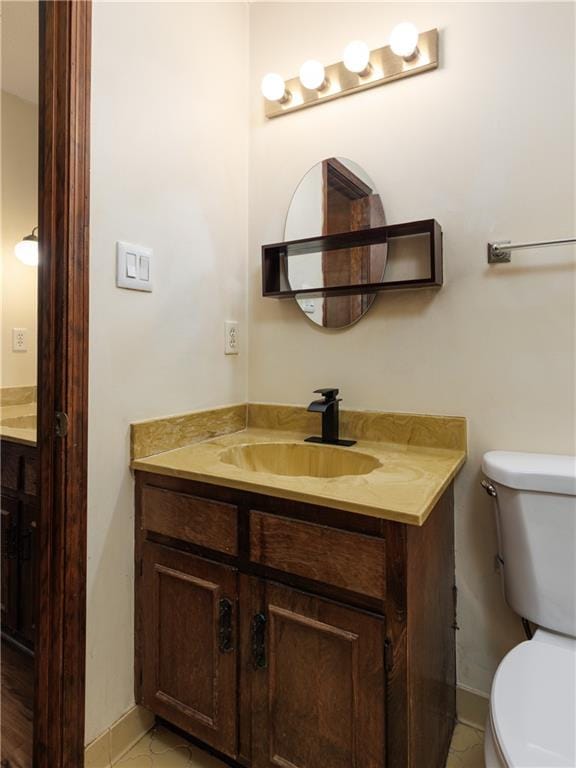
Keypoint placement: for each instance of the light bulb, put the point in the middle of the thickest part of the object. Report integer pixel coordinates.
(404, 40)
(27, 252)
(273, 87)
(27, 249)
(312, 75)
(357, 57)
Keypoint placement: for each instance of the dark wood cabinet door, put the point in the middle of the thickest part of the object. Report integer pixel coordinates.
(317, 683)
(27, 565)
(9, 575)
(188, 634)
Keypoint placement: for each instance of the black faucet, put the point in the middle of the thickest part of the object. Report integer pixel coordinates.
(329, 409)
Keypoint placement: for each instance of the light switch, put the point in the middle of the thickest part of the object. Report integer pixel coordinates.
(144, 268)
(133, 266)
(130, 264)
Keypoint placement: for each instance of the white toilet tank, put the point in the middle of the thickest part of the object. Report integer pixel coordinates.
(536, 517)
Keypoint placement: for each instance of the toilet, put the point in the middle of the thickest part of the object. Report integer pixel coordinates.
(532, 714)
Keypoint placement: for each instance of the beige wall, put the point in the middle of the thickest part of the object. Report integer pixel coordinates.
(19, 216)
(169, 171)
(485, 145)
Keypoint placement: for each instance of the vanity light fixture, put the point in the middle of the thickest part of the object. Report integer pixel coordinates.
(404, 41)
(26, 250)
(357, 58)
(313, 75)
(409, 53)
(273, 88)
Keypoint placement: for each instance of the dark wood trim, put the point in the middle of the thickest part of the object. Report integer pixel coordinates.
(65, 37)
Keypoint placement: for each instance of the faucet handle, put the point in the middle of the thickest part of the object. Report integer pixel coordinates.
(328, 393)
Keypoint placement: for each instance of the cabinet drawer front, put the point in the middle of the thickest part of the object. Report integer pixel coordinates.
(351, 561)
(210, 524)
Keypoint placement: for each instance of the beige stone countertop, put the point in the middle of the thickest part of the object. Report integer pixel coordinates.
(18, 423)
(404, 488)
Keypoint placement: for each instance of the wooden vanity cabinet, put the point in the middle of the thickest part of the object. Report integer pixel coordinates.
(19, 507)
(286, 635)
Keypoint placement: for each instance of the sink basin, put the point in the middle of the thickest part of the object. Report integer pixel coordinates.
(299, 460)
(19, 422)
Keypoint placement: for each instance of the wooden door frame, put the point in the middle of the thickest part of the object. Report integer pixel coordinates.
(65, 37)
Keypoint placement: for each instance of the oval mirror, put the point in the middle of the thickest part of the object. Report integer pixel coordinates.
(336, 195)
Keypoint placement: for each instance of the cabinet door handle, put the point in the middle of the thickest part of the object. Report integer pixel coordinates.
(259, 641)
(225, 632)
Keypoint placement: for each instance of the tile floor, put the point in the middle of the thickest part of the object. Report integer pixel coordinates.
(163, 749)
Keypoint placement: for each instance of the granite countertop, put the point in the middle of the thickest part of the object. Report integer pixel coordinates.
(419, 456)
(18, 415)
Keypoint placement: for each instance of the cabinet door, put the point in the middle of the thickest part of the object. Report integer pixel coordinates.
(188, 614)
(318, 683)
(9, 575)
(28, 576)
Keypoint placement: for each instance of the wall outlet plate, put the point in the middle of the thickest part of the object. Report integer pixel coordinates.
(231, 340)
(19, 339)
(133, 266)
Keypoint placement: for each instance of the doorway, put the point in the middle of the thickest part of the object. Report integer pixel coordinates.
(44, 386)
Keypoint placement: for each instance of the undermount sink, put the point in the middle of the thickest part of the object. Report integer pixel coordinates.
(19, 422)
(299, 460)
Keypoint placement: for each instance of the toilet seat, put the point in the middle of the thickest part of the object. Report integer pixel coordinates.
(533, 703)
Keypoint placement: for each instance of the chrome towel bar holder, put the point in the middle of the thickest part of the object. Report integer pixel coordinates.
(501, 252)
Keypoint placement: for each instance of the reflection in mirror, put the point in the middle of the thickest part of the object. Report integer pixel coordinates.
(335, 196)
(18, 376)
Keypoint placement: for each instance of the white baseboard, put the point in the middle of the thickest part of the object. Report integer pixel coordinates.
(471, 707)
(111, 745)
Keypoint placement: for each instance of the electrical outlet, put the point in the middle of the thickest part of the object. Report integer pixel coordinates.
(19, 339)
(232, 341)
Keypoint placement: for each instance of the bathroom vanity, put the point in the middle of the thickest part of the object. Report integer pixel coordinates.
(298, 626)
(19, 495)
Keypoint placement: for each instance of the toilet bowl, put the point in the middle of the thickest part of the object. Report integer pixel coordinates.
(532, 717)
(532, 713)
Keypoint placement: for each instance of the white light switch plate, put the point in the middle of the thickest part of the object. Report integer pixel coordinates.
(133, 266)
(232, 340)
(19, 339)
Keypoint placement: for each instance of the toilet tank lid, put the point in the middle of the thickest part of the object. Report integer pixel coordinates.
(548, 472)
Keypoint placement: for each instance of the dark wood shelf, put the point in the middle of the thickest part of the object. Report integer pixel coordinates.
(275, 282)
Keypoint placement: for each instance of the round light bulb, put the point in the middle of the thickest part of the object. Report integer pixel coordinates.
(273, 87)
(404, 40)
(27, 252)
(312, 75)
(357, 57)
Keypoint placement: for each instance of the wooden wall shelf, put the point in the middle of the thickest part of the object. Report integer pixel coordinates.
(275, 283)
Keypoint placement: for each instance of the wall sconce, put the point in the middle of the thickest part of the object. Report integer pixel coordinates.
(408, 53)
(26, 250)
